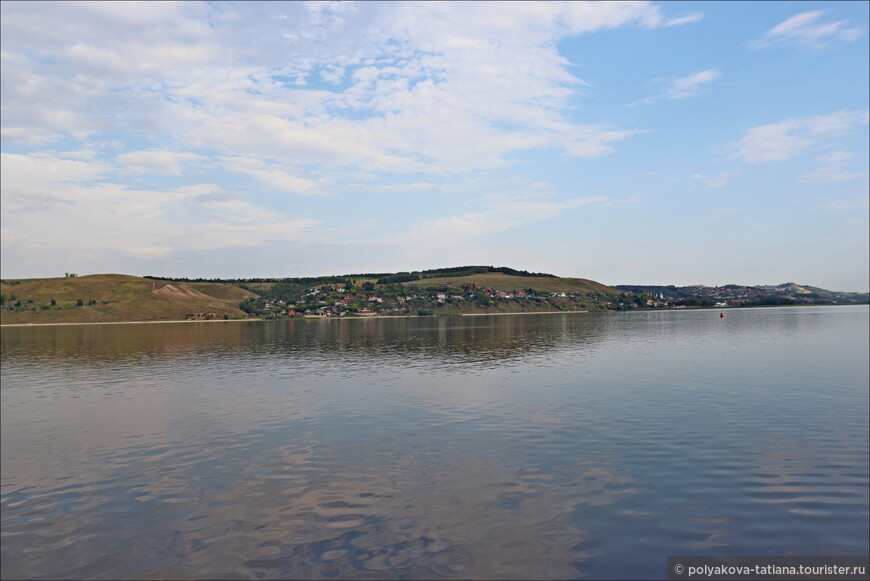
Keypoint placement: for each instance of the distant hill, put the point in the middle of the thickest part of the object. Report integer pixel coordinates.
(790, 292)
(507, 282)
(446, 291)
(497, 277)
(116, 297)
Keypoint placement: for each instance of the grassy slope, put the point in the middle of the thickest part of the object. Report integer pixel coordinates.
(506, 282)
(120, 298)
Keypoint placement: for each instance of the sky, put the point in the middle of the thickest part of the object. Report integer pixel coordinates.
(628, 143)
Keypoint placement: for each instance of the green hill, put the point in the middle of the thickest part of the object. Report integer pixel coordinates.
(116, 297)
(507, 282)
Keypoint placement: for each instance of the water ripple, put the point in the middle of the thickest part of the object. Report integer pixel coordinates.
(504, 447)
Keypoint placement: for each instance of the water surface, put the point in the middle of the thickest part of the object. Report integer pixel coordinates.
(529, 446)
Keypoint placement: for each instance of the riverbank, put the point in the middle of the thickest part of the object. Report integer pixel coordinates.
(304, 319)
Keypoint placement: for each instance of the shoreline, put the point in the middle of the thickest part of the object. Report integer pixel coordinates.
(125, 322)
(304, 319)
(408, 316)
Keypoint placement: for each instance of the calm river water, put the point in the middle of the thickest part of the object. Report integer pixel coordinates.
(529, 446)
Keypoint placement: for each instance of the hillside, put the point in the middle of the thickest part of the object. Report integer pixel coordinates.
(787, 293)
(116, 297)
(507, 282)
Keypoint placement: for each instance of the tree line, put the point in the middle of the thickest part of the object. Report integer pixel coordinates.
(381, 277)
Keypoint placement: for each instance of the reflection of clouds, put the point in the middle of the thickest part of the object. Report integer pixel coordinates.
(411, 517)
(430, 447)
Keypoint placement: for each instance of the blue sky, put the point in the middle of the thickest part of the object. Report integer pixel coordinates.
(629, 143)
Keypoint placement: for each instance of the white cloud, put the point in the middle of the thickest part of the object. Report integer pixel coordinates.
(595, 141)
(28, 135)
(835, 167)
(412, 187)
(714, 181)
(272, 174)
(692, 85)
(808, 30)
(793, 137)
(853, 204)
(65, 207)
(41, 170)
(157, 162)
(433, 87)
(502, 215)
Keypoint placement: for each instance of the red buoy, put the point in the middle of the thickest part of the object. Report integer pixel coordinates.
(721, 315)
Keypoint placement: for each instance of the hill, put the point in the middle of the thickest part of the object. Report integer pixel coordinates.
(507, 282)
(116, 297)
(786, 293)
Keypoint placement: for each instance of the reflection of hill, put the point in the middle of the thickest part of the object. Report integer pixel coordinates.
(122, 344)
(445, 340)
(450, 340)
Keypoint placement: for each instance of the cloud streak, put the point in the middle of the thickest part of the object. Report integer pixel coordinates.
(793, 137)
(809, 30)
(687, 87)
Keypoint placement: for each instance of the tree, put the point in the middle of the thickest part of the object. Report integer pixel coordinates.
(368, 286)
(80, 303)
(53, 303)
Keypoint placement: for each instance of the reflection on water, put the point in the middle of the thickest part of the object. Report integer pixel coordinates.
(537, 446)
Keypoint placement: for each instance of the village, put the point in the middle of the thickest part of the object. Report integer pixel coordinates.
(396, 300)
